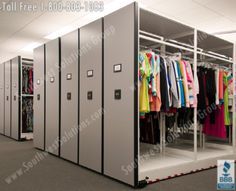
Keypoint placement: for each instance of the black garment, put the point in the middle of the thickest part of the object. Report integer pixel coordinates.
(201, 97)
(149, 128)
(163, 86)
(211, 92)
(185, 117)
(170, 121)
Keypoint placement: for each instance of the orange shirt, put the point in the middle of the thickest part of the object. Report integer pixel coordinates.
(221, 81)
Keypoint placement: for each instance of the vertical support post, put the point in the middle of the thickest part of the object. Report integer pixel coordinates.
(234, 101)
(200, 136)
(161, 132)
(195, 109)
(175, 127)
(162, 118)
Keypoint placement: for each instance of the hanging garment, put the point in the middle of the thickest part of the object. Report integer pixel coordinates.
(226, 100)
(25, 80)
(221, 86)
(170, 121)
(211, 92)
(177, 104)
(230, 84)
(149, 128)
(202, 95)
(145, 72)
(31, 83)
(168, 83)
(185, 117)
(154, 70)
(196, 84)
(164, 86)
(218, 128)
(27, 115)
(217, 86)
(191, 85)
(173, 89)
(155, 104)
(180, 83)
(185, 82)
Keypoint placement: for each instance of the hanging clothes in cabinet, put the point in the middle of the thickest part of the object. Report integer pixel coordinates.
(27, 115)
(166, 85)
(213, 108)
(27, 80)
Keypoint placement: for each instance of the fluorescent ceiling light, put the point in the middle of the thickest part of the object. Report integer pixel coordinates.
(30, 47)
(224, 32)
(87, 18)
(60, 32)
(141, 5)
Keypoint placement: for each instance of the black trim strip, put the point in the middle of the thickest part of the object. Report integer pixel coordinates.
(102, 167)
(78, 149)
(59, 68)
(4, 97)
(27, 64)
(10, 97)
(44, 46)
(27, 59)
(19, 98)
(136, 114)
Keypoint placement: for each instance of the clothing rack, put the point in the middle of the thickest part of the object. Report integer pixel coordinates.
(182, 46)
(157, 39)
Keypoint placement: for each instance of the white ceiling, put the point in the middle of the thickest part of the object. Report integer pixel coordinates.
(20, 29)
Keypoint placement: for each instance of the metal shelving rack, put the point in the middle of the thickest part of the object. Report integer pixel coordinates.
(27, 63)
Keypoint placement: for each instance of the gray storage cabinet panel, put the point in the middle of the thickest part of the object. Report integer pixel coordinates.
(119, 95)
(15, 122)
(91, 96)
(2, 98)
(69, 96)
(39, 97)
(52, 96)
(8, 99)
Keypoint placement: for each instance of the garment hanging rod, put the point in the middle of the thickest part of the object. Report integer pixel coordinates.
(170, 40)
(152, 35)
(183, 48)
(216, 57)
(165, 43)
(165, 52)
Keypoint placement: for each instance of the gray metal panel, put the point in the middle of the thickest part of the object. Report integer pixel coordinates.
(91, 59)
(52, 96)
(8, 98)
(119, 125)
(2, 98)
(69, 107)
(39, 97)
(15, 98)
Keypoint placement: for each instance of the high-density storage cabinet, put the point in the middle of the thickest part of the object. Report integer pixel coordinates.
(18, 98)
(2, 98)
(90, 93)
(52, 88)
(39, 97)
(90, 136)
(56, 97)
(69, 97)
(7, 99)
(120, 94)
(15, 98)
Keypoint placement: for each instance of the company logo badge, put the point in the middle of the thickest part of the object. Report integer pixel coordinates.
(226, 175)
